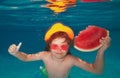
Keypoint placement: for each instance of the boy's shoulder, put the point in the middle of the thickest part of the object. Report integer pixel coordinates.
(44, 53)
(72, 58)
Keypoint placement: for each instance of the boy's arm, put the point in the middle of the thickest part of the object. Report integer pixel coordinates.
(14, 50)
(98, 65)
(29, 57)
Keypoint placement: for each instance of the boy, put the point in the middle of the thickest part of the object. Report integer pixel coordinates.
(57, 57)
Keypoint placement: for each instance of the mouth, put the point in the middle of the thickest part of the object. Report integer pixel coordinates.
(59, 53)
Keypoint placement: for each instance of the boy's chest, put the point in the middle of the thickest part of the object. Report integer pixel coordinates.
(56, 65)
(51, 64)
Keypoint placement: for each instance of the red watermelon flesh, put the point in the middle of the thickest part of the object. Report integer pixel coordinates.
(88, 39)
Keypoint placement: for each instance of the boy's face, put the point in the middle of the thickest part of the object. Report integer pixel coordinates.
(59, 48)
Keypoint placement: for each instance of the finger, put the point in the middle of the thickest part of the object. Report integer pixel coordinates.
(19, 45)
(103, 38)
(11, 48)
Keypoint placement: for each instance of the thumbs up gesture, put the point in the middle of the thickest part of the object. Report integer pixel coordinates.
(13, 49)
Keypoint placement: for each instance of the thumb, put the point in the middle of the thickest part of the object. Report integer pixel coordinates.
(19, 45)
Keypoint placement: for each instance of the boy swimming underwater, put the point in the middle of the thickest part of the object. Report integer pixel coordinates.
(57, 59)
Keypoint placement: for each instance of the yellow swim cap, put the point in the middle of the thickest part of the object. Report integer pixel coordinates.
(59, 27)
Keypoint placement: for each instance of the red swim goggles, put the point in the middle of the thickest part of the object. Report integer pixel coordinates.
(62, 47)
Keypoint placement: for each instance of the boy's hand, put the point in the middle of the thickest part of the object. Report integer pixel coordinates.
(13, 49)
(105, 43)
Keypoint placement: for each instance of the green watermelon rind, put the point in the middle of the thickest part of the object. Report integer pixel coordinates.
(90, 50)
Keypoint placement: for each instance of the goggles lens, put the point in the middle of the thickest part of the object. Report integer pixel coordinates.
(55, 47)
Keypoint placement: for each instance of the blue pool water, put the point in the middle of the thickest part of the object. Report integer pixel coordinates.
(26, 21)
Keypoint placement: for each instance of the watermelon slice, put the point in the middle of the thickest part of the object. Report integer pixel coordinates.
(89, 39)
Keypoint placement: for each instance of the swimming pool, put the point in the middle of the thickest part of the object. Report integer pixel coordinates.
(27, 22)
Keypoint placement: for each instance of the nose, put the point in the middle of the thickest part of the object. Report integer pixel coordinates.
(59, 50)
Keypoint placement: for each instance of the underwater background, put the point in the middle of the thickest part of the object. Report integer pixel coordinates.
(27, 21)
